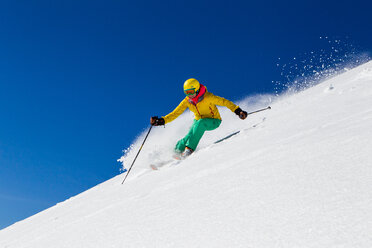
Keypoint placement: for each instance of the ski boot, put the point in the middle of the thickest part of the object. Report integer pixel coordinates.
(188, 151)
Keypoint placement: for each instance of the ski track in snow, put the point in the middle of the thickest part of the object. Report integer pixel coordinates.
(301, 178)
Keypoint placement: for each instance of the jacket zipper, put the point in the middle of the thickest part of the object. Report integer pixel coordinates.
(211, 112)
(198, 111)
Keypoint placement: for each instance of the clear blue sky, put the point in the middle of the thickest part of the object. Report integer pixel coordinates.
(80, 79)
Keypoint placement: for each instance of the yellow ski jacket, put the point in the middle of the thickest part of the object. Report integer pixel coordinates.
(206, 108)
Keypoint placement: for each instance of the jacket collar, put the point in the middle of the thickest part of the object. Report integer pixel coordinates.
(199, 97)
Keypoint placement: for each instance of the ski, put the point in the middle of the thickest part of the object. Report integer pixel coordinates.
(237, 132)
(227, 137)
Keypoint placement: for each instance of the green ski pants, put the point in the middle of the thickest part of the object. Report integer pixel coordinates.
(196, 132)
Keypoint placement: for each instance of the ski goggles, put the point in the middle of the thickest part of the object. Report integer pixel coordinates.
(190, 92)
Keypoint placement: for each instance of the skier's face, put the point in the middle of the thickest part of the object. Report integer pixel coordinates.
(191, 93)
(192, 96)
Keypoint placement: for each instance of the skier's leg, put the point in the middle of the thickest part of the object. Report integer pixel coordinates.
(181, 144)
(198, 129)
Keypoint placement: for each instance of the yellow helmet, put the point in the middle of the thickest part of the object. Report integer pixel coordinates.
(191, 84)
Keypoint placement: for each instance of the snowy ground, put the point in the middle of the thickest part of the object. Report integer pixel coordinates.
(301, 178)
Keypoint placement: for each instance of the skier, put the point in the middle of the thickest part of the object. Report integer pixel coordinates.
(207, 118)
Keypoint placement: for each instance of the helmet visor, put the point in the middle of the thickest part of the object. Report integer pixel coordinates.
(189, 92)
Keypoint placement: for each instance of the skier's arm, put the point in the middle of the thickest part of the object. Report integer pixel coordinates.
(176, 112)
(230, 105)
(220, 101)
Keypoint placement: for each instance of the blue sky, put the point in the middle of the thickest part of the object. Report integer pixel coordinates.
(80, 79)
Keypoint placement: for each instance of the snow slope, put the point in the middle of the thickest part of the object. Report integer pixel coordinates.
(300, 178)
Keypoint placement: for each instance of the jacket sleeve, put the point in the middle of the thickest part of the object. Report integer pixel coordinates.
(220, 101)
(176, 112)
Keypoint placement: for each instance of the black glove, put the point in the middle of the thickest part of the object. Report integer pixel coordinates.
(242, 114)
(156, 121)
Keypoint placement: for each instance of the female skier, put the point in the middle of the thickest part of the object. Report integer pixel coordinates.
(207, 118)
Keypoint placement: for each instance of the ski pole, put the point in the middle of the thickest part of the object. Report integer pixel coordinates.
(137, 154)
(259, 110)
